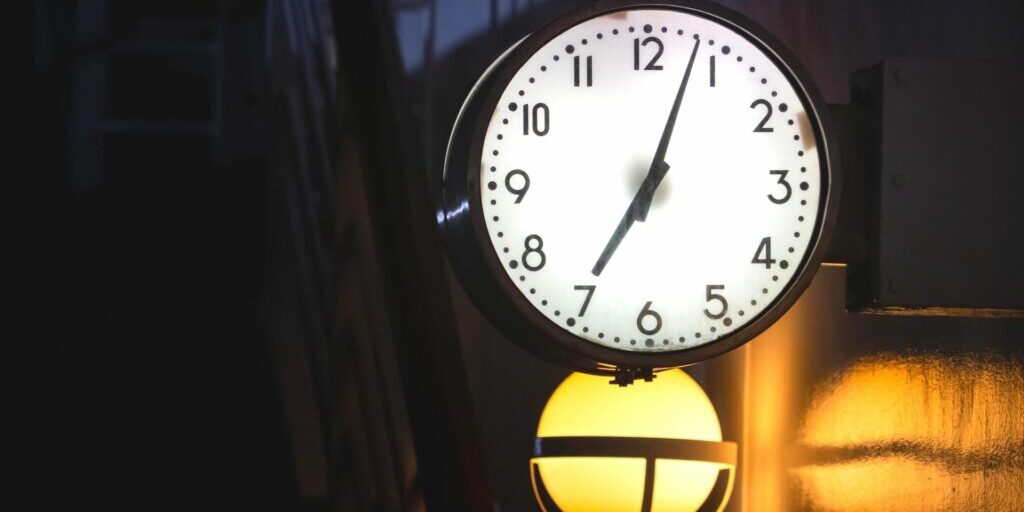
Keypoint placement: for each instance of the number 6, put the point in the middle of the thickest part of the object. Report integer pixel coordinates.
(648, 312)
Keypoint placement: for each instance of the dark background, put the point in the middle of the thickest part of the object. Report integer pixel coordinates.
(221, 281)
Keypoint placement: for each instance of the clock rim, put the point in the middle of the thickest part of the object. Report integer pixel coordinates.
(534, 330)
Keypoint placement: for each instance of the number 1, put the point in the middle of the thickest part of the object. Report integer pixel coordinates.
(712, 70)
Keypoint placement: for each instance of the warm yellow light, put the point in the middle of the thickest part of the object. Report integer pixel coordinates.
(916, 434)
(673, 406)
(941, 403)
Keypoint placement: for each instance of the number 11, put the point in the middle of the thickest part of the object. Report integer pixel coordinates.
(576, 71)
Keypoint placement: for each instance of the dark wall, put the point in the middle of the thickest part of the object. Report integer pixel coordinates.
(167, 248)
(222, 285)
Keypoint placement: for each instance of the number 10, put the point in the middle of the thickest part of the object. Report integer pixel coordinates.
(540, 114)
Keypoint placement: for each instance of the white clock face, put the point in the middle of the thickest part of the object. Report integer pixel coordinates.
(634, 230)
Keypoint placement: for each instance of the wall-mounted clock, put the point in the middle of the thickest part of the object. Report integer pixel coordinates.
(639, 186)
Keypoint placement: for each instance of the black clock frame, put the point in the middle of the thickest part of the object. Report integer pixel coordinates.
(493, 291)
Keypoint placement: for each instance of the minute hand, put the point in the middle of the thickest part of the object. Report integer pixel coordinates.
(641, 203)
(659, 167)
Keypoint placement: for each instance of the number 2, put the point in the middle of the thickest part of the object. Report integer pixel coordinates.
(761, 128)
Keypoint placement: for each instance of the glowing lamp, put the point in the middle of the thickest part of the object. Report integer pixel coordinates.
(653, 446)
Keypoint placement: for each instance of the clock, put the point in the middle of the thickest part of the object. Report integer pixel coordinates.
(639, 186)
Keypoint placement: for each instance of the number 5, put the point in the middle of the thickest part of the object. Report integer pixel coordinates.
(711, 295)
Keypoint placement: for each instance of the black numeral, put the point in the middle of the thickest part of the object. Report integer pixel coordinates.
(589, 288)
(782, 181)
(520, 191)
(539, 115)
(647, 312)
(534, 245)
(653, 64)
(763, 254)
(711, 295)
(576, 71)
(761, 128)
(712, 64)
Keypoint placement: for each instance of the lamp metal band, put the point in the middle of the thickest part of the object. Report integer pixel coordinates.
(723, 452)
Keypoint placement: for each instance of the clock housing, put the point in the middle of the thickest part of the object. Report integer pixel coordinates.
(472, 241)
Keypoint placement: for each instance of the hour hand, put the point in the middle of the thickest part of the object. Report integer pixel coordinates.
(637, 211)
(613, 242)
(650, 185)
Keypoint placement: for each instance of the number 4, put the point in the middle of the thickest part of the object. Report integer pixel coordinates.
(765, 248)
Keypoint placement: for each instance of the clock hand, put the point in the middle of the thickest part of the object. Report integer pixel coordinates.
(641, 203)
(628, 218)
(655, 174)
(613, 242)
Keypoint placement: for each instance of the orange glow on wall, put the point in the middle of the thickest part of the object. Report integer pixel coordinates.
(905, 484)
(918, 434)
(770, 363)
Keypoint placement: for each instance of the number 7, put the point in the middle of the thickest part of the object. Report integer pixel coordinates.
(590, 293)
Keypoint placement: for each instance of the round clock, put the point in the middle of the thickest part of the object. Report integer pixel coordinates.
(639, 186)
